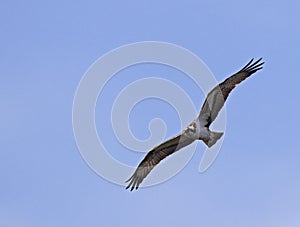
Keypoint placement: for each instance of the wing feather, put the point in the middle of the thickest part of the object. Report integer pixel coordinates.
(154, 157)
(217, 96)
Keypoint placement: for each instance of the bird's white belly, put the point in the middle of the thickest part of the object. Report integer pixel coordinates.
(203, 134)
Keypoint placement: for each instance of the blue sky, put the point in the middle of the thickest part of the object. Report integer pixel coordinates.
(46, 47)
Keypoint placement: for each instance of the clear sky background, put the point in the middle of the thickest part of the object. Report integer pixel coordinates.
(47, 46)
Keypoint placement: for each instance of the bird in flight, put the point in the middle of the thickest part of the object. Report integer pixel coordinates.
(198, 129)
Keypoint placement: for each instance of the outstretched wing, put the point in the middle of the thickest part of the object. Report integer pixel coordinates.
(217, 96)
(154, 157)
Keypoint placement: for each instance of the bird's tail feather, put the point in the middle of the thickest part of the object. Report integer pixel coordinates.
(213, 138)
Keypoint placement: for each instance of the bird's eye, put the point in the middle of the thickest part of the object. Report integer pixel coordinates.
(191, 129)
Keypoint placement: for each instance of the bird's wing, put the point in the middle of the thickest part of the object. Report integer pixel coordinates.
(154, 157)
(218, 95)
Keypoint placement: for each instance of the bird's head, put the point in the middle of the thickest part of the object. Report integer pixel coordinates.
(190, 131)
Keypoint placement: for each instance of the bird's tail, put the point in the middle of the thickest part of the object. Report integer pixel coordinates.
(213, 138)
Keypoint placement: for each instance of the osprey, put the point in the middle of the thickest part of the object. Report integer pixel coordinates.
(198, 129)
